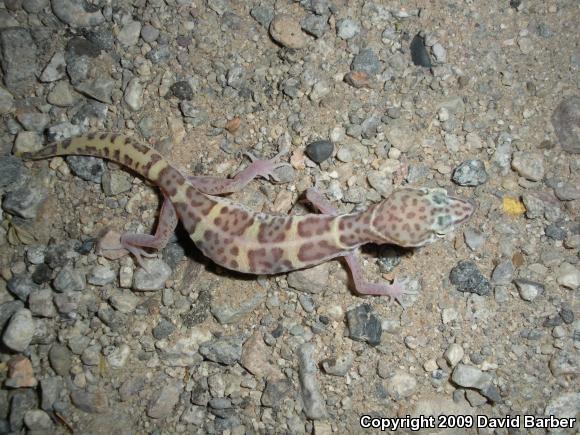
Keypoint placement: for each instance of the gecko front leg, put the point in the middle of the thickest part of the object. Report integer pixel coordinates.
(362, 286)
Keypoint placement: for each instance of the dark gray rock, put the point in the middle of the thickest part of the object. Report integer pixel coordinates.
(470, 173)
(363, 325)
(566, 122)
(88, 168)
(319, 150)
(19, 57)
(366, 60)
(226, 350)
(467, 278)
(419, 53)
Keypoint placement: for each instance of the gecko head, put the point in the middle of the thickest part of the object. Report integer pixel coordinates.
(416, 217)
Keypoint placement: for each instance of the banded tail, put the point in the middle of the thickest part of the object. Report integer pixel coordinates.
(117, 148)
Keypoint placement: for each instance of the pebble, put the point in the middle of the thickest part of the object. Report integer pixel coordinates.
(227, 350)
(19, 331)
(568, 276)
(21, 286)
(33, 121)
(93, 403)
(19, 59)
(312, 280)
(312, 399)
(563, 405)
(115, 182)
(566, 191)
(529, 290)
(12, 170)
(347, 28)
(69, 280)
(50, 388)
(470, 173)
(100, 89)
(528, 165)
(163, 329)
(255, 358)
(20, 373)
(320, 150)
(60, 359)
(100, 275)
(439, 53)
(194, 115)
(467, 278)
(40, 303)
(55, 69)
(367, 61)
(419, 54)
(7, 309)
(287, 32)
(315, 25)
(134, 95)
(163, 402)
(339, 365)
(88, 168)
(454, 354)
(503, 273)
(363, 325)
(262, 15)
(27, 141)
(468, 376)
(555, 232)
(566, 122)
(91, 356)
(73, 13)
(129, 34)
(24, 201)
(401, 385)
(6, 101)
(152, 279)
(474, 238)
(124, 301)
(119, 356)
(62, 95)
(38, 421)
(565, 363)
(276, 392)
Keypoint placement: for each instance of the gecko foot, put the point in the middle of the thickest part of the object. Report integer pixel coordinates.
(130, 243)
(267, 168)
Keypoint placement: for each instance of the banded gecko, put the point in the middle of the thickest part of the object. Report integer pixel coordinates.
(240, 239)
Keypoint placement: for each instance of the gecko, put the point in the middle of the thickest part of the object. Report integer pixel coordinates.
(246, 241)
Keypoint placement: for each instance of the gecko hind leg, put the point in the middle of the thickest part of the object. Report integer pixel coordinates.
(135, 243)
(362, 286)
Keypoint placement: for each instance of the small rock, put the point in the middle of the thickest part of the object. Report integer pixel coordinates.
(93, 403)
(401, 385)
(286, 31)
(347, 28)
(555, 232)
(55, 69)
(320, 150)
(454, 354)
(124, 301)
(315, 25)
(73, 13)
(256, 358)
(154, 278)
(568, 276)
(366, 60)
(565, 191)
(68, 280)
(338, 366)
(467, 278)
(262, 15)
(565, 363)
(470, 377)
(503, 273)
(88, 168)
(24, 201)
(115, 182)
(528, 165)
(564, 405)
(21, 286)
(62, 95)
(566, 123)
(40, 303)
(529, 290)
(419, 53)
(118, 358)
(12, 170)
(163, 329)
(149, 33)
(439, 52)
(129, 34)
(20, 373)
(363, 325)
(311, 280)
(19, 331)
(101, 275)
(194, 115)
(50, 391)
(7, 309)
(275, 392)
(314, 403)
(133, 95)
(19, 58)
(60, 359)
(163, 402)
(37, 420)
(470, 173)
(474, 238)
(227, 350)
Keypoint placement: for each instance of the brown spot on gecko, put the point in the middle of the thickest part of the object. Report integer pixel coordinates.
(66, 143)
(411, 215)
(103, 136)
(91, 136)
(114, 137)
(234, 250)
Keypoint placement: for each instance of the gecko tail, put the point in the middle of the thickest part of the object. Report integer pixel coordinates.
(117, 148)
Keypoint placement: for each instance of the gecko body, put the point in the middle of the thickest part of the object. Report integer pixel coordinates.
(240, 239)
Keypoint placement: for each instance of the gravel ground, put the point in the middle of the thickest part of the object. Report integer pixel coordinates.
(479, 98)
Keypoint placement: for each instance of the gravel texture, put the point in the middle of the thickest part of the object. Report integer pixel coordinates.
(479, 98)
